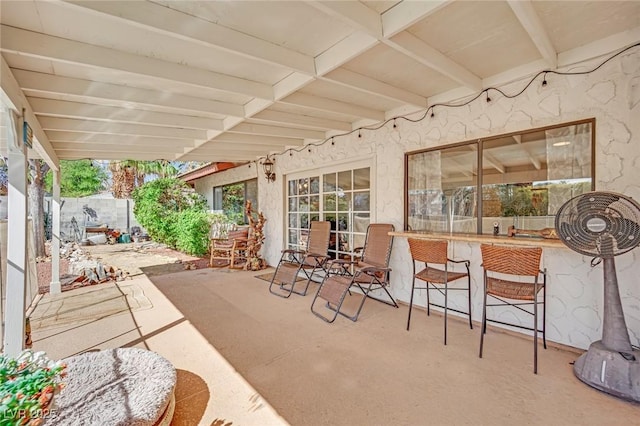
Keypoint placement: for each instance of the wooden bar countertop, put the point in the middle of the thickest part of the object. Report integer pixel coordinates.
(482, 238)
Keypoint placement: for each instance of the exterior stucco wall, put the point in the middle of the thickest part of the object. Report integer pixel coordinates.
(575, 290)
(205, 185)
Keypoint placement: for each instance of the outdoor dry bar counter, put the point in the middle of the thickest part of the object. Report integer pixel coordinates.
(575, 289)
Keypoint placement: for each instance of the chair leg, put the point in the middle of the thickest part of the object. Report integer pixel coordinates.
(469, 294)
(483, 327)
(413, 286)
(446, 293)
(535, 333)
(544, 309)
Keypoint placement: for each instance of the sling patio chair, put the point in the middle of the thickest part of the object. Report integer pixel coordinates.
(309, 261)
(369, 273)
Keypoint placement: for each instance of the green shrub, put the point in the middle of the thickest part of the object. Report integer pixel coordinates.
(192, 231)
(158, 207)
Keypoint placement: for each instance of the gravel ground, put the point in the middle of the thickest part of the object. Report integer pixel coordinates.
(147, 254)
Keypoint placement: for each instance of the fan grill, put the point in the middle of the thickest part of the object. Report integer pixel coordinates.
(601, 224)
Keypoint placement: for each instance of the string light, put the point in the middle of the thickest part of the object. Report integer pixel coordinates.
(430, 111)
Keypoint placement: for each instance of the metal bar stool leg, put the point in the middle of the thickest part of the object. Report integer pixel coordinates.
(483, 327)
(413, 289)
(469, 294)
(445, 310)
(535, 328)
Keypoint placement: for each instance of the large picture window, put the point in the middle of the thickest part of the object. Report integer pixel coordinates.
(231, 199)
(342, 197)
(520, 180)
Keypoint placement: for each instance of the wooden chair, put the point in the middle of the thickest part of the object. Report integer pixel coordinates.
(511, 276)
(434, 252)
(309, 261)
(230, 251)
(370, 272)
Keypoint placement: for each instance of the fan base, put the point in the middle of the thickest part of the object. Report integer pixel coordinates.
(610, 372)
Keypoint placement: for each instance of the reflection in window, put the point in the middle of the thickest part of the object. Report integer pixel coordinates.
(231, 199)
(525, 177)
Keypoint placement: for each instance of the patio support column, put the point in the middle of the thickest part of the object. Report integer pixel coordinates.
(54, 286)
(16, 283)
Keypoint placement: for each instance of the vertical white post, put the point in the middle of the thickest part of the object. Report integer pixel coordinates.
(54, 286)
(14, 336)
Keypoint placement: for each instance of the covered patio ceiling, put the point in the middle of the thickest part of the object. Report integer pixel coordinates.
(235, 80)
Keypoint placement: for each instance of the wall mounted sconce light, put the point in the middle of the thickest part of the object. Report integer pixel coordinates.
(267, 165)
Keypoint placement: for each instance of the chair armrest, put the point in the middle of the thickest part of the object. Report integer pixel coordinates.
(343, 262)
(373, 269)
(292, 251)
(316, 255)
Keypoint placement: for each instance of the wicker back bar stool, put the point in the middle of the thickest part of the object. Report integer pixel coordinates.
(434, 252)
(511, 277)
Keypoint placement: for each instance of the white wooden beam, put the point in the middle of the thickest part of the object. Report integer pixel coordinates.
(79, 110)
(238, 138)
(354, 13)
(325, 104)
(284, 132)
(375, 87)
(123, 147)
(23, 42)
(89, 126)
(301, 120)
(116, 155)
(114, 94)
(164, 20)
(346, 49)
(406, 13)
(420, 51)
(530, 21)
(64, 148)
(599, 47)
(15, 95)
(251, 149)
(56, 136)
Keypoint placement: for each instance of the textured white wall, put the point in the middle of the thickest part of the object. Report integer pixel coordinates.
(205, 185)
(610, 94)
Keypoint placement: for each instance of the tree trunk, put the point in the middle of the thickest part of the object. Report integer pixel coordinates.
(37, 171)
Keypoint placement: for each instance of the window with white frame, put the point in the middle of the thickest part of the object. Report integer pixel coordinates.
(341, 196)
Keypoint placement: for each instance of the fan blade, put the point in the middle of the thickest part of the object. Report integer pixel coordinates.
(626, 232)
(599, 201)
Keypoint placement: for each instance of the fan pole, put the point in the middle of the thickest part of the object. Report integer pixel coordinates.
(615, 335)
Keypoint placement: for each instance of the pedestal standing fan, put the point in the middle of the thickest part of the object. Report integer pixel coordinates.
(605, 225)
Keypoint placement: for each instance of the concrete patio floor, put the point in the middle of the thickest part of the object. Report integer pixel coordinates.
(245, 357)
